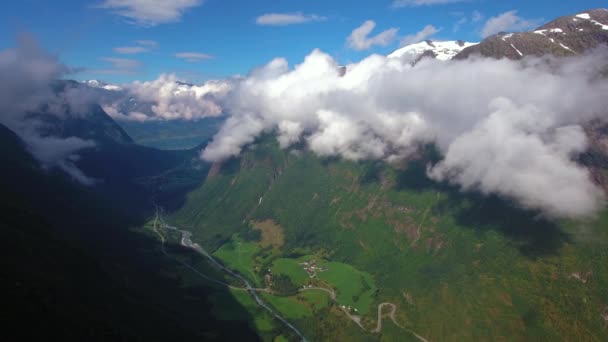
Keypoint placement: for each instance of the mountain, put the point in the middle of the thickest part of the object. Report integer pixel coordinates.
(102, 85)
(565, 36)
(72, 262)
(360, 251)
(442, 50)
(387, 234)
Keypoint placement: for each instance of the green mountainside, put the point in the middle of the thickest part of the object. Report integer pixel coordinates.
(456, 266)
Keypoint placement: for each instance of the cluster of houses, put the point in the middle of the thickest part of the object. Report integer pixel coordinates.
(348, 308)
(312, 268)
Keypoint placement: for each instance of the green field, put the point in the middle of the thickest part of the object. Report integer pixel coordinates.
(239, 255)
(353, 288)
(292, 269)
(458, 266)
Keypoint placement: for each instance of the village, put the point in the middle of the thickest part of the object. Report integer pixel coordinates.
(312, 268)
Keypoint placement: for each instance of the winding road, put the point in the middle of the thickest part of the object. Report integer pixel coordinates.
(186, 241)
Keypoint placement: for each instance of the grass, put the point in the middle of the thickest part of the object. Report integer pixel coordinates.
(459, 266)
(239, 256)
(291, 307)
(262, 320)
(354, 288)
(292, 269)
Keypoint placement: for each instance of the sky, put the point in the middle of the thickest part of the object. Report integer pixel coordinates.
(501, 126)
(123, 40)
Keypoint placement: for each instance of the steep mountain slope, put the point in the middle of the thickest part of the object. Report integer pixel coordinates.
(368, 236)
(457, 266)
(566, 36)
(72, 264)
(444, 51)
(87, 121)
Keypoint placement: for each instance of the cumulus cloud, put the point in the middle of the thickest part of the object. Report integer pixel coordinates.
(150, 12)
(417, 3)
(427, 32)
(359, 39)
(27, 76)
(504, 127)
(193, 57)
(284, 19)
(166, 98)
(508, 21)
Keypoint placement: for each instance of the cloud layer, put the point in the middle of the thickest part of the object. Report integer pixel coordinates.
(165, 99)
(504, 127)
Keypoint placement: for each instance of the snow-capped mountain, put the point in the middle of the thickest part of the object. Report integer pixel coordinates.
(444, 51)
(565, 36)
(102, 85)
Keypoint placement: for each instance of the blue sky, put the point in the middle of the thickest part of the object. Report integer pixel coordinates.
(222, 37)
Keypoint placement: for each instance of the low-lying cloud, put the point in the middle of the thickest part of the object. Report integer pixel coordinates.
(508, 22)
(504, 127)
(27, 74)
(165, 98)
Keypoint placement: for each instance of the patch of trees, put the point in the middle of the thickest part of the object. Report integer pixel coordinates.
(283, 286)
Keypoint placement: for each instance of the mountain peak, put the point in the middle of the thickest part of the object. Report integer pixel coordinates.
(565, 36)
(442, 50)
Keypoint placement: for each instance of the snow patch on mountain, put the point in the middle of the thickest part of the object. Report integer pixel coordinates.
(102, 85)
(444, 51)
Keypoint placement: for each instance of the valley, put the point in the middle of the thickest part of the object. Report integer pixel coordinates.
(437, 259)
(388, 186)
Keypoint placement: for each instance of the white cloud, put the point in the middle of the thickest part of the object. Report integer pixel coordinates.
(148, 43)
(130, 50)
(168, 99)
(283, 19)
(416, 3)
(508, 21)
(427, 32)
(119, 66)
(359, 39)
(27, 73)
(141, 47)
(193, 57)
(504, 127)
(150, 12)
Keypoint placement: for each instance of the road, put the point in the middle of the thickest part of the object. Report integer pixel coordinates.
(357, 319)
(186, 241)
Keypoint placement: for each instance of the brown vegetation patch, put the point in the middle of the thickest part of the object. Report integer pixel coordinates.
(272, 233)
(409, 298)
(605, 314)
(506, 298)
(582, 277)
(363, 245)
(214, 170)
